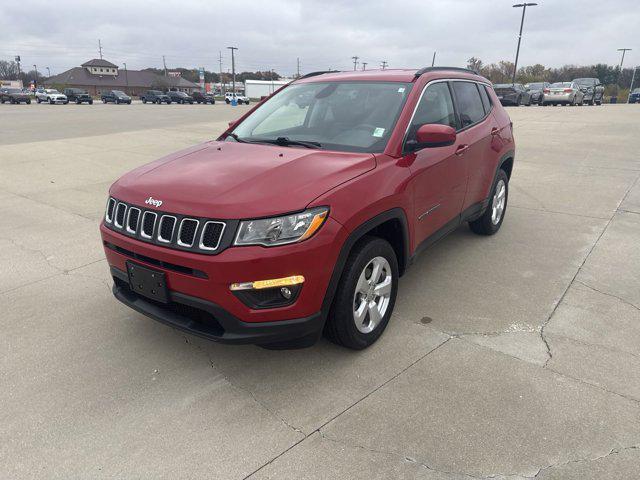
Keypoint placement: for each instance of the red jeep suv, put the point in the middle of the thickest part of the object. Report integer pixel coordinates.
(301, 217)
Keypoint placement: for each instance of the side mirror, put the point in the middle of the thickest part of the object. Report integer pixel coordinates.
(433, 135)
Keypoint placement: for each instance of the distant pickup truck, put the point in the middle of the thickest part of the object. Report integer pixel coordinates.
(592, 88)
(77, 95)
(228, 98)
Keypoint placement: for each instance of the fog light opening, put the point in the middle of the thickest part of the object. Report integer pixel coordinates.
(286, 293)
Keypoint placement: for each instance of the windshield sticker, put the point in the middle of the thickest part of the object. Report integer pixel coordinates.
(378, 132)
(401, 90)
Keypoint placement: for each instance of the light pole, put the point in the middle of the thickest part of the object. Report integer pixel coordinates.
(48, 72)
(17, 59)
(36, 79)
(233, 68)
(126, 77)
(633, 78)
(364, 66)
(355, 62)
(623, 50)
(524, 9)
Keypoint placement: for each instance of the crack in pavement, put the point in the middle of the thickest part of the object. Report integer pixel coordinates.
(613, 451)
(626, 302)
(317, 430)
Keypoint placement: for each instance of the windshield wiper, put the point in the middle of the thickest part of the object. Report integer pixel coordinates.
(286, 141)
(236, 137)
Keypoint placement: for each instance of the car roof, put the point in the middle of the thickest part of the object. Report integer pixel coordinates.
(404, 75)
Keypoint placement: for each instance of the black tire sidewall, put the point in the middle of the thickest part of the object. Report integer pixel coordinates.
(343, 327)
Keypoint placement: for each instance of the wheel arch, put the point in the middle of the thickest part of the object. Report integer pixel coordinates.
(390, 225)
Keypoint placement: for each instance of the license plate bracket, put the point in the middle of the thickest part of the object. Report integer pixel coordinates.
(148, 282)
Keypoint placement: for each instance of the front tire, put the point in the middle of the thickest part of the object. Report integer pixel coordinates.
(491, 220)
(365, 296)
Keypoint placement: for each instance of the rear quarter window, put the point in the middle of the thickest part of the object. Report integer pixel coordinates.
(484, 96)
(469, 103)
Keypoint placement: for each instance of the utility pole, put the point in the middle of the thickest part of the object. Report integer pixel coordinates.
(164, 62)
(233, 68)
(298, 67)
(623, 50)
(17, 59)
(126, 77)
(48, 72)
(100, 48)
(220, 65)
(524, 9)
(35, 81)
(364, 66)
(355, 62)
(384, 64)
(433, 60)
(633, 78)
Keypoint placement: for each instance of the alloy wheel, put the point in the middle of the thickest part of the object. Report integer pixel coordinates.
(372, 295)
(498, 202)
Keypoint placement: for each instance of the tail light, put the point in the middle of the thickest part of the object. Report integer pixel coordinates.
(546, 90)
(567, 90)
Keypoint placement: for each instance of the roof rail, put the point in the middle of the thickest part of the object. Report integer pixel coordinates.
(424, 70)
(314, 74)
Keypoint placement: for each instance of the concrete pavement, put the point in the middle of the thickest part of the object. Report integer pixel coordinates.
(513, 356)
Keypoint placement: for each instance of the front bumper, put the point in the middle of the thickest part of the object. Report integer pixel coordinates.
(208, 320)
(206, 278)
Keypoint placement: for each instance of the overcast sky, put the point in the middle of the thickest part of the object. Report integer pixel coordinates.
(324, 34)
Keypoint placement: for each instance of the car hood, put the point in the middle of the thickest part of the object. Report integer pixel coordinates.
(238, 180)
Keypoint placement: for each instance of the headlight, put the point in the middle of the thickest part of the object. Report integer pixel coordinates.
(281, 230)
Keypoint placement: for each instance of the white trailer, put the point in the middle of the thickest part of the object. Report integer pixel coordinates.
(256, 89)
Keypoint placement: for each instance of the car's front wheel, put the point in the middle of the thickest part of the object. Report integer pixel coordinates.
(365, 296)
(491, 220)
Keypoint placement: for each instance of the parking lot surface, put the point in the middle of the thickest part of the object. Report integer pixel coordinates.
(513, 356)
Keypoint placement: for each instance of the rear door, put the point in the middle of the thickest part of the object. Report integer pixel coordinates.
(477, 124)
(438, 175)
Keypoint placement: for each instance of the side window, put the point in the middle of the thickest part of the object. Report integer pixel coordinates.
(484, 95)
(469, 103)
(436, 106)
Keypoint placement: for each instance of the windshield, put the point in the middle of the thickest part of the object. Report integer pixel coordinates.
(561, 85)
(536, 86)
(180, 94)
(344, 116)
(503, 85)
(585, 81)
(52, 91)
(12, 90)
(118, 92)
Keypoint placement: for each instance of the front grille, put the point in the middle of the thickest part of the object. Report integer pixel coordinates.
(165, 230)
(211, 234)
(187, 233)
(201, 235)
(132, 220)
(120, 211)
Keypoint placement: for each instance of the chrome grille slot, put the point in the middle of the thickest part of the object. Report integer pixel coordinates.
(132, 219)
(211, 235)
(119, 217)
(148, 222)
(187, 232)
(165, 228)
(111, 205)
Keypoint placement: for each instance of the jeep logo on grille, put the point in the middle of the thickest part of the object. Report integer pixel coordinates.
(153, 201)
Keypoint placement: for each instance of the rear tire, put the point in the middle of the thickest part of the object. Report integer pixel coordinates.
(365, 296)
(491, 220)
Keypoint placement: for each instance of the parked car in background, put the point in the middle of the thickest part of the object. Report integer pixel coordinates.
(256, 237)
(634, 97)
(115, 96)
(512, 94)
(563, 93)
(180, 97)
(13, 95)
(200, 97)
(51, 96)
(155, 96)
(536, 91)
(228, 97)
(78, 95)
(592, 89)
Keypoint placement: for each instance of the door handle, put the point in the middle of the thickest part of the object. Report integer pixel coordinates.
(462, 149)
(495, 131)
